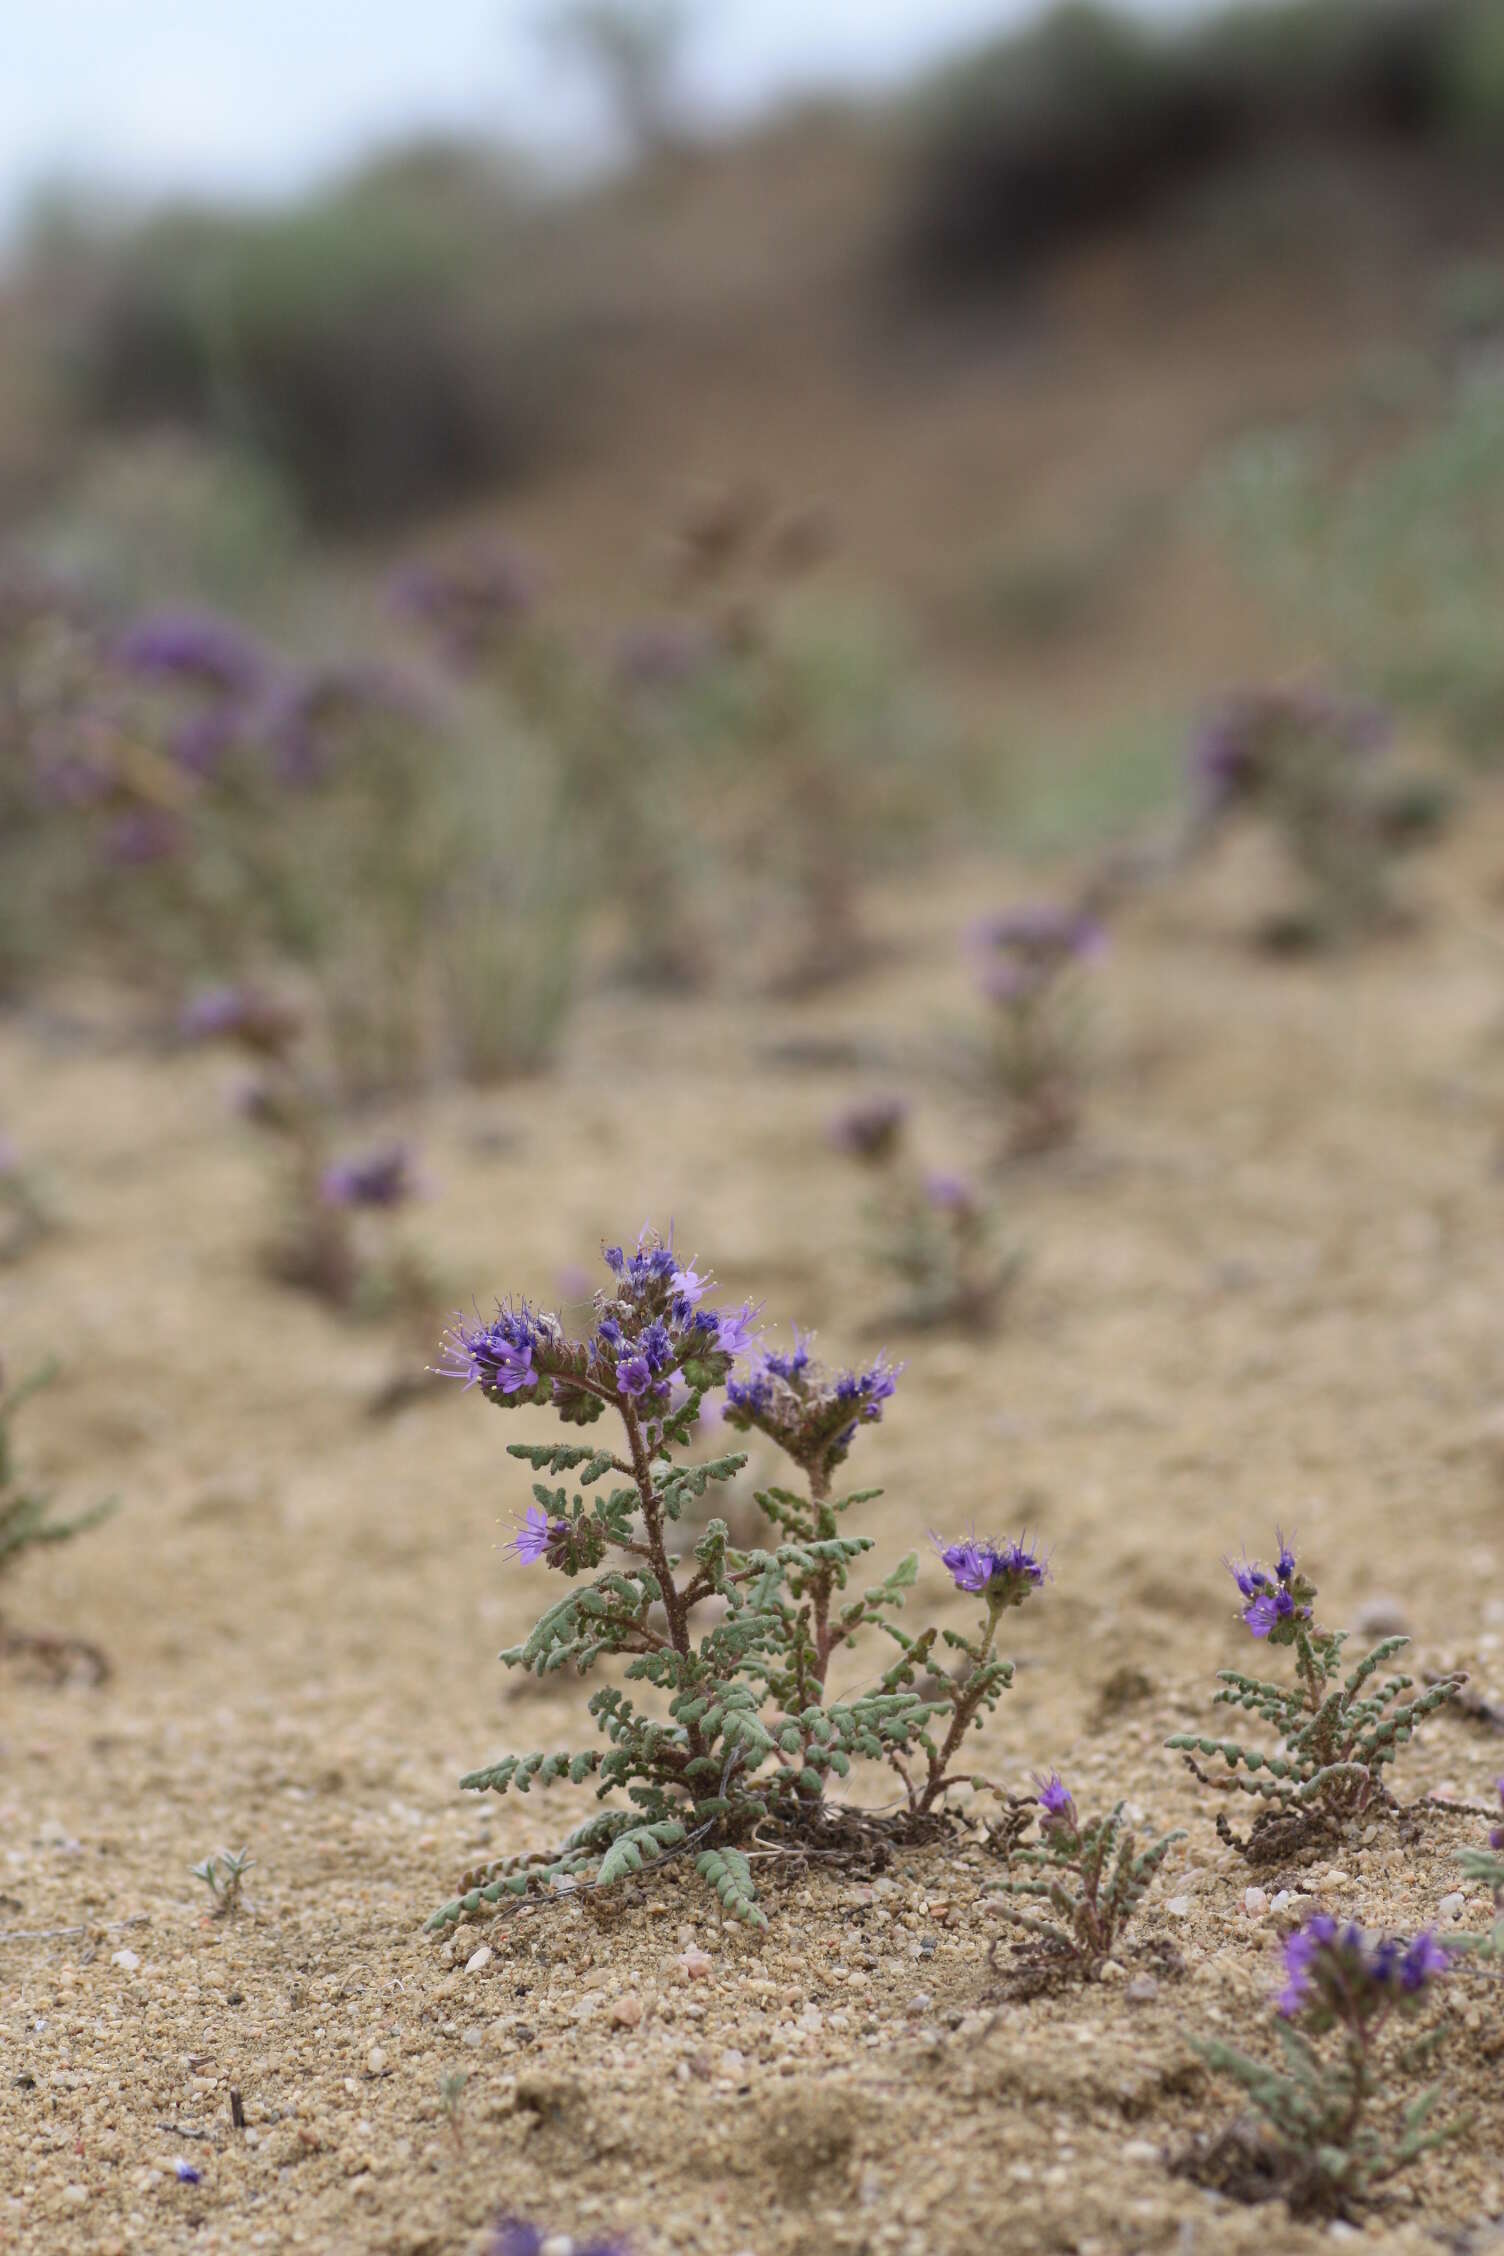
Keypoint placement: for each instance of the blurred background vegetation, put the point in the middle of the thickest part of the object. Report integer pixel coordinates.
(883, 479)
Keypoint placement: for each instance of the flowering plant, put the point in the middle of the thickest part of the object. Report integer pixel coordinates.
(26, 1522)
(1336, 1733)
(1342, 1983)
(1092, 1875)
(737, 1643)
(934, 1231)
(1027, 962)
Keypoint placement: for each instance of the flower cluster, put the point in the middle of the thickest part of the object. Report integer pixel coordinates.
(1275, 1601)
(1338, 1974)
(1005, 1575)
(811, 1413)
(1236, 748)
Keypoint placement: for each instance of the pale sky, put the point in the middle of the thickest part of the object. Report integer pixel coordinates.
(260, 97)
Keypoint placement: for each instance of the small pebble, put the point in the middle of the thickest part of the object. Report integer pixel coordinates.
(1179, 1907)
(918, 2005)
(1141, 1989)
(1453, 1905)
(626, 2011)
(1255, 1902)
(1140, 2150)
(479, 1960)
(126, 1960)
(375, 2061)
(696, 1965)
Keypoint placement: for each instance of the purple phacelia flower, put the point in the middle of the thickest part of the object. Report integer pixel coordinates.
(1275, 1602)
(194, 647)
(185, 2173)
(1003, 1574)
(1057, 1809)
(736, 1328)
(380, 1179)
(512, 2236)
(497, 1357)
(690, 1289)
(540, 1537)
(634, 1376)
(1496, 1836)
(1340, 1974)
(872, 1130)
(813, 1415)
(201, 744)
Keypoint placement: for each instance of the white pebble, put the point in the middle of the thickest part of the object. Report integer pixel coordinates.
(479, 1960)
(375, 2061)
(126, 1960)
(1452, 1906)
(1179, 1907)
(1255, 1902)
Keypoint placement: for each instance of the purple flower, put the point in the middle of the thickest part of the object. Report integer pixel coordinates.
(1340, 1974)
(144, 836)
(1424, 1959)
(811, 1414)
(1266, 1611)
(239, 1014)
(539, 1537)
(185, 2173)
(1277, 1601)
(634, 1375)
(193, 647)
(950, 1194)
(736, 1328)
(511, 2236)
(1057, 1807)
(498, 1357)
(872, 1130)
(1004, 1574)
(970, 1564)
(1496, 1836)
(690, 1289)
(381, 1179)
(471, 602)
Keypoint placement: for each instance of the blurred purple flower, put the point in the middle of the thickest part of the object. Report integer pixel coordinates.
(664, 654)
(472, 600)
(143, 837)
(196, 647)
(382, 1178)
(950, 1194)
(870, 1130)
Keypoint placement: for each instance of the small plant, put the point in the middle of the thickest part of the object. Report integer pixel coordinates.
(933, 1231)
(451, 2098)
(26, 1523)
(1485, 1868)
(1307, 760)
(1093, 1878)
(1029, 964)
(1322, 2151)
(754, 1735)
(222, 1875)
(26, 1217)
(1336, 1733)
(327, 1203)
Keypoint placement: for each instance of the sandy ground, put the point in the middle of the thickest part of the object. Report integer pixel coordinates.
(1265, 1287)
